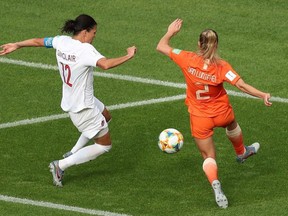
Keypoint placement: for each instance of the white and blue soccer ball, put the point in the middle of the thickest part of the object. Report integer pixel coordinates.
(170, 140)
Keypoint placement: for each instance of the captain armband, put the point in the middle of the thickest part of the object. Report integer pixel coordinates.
(48, 42)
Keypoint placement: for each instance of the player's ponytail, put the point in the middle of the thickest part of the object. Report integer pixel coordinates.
(82, 22)
(69, 26)
(208, 43)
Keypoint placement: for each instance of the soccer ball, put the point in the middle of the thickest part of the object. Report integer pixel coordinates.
(170, 140)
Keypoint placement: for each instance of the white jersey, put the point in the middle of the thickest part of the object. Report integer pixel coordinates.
(76, 61)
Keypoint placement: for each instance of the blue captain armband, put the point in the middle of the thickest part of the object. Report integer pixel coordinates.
(48, 42)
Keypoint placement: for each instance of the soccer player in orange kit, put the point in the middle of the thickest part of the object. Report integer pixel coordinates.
(208, 102)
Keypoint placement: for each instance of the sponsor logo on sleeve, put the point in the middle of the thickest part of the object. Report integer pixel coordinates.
(230, 75)
(176, 51)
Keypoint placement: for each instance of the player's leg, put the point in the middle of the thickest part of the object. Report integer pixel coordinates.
(91, 152)
(207, 150)
(102, 145)
(107, 115)
(84, 155)
(233, 130)
(202, 130)
(234, 134)
(93, 125)
(89, 122)
(210, 168)
(82, 141)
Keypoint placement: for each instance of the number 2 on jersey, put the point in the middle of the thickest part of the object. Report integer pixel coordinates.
(202, 91)
(66, 73)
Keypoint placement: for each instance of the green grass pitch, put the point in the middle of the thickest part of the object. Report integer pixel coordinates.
(136, 178)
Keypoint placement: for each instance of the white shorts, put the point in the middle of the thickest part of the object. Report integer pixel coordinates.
(99, 104)
(90, 122)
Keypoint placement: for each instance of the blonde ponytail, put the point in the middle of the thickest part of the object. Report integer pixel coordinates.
(208, 43)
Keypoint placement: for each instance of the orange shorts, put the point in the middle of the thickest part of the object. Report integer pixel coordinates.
(202, 127)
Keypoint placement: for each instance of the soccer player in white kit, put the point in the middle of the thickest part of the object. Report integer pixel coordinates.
(76, 58)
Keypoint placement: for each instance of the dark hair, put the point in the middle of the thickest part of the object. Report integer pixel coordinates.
(82, 22)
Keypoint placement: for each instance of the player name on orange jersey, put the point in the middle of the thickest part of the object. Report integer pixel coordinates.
(202, 75)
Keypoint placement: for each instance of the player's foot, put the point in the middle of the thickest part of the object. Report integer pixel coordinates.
(250, 150)
(220, 197)
(57, 173)
(67, 154)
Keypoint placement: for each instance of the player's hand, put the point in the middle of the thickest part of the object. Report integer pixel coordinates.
(131, 51)
(175, 26)
(266, 98)
(8, 48)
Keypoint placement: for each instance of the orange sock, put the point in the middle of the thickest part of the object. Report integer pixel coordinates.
(238, 144)
(236, 138)
(211, 170)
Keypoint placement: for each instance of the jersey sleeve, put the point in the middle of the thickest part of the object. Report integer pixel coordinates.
(229, 74)
(178, 56)
(181, 57)
(91, 56)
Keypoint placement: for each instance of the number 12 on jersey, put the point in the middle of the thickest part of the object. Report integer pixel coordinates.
(66, 73)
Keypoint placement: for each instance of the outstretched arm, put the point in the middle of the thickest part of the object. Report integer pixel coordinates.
(163, 45)
(244, 87)
(107, 63)
(11, 47)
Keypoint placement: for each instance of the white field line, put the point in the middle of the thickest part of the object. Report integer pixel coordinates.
(117, 106)
(130, 78)
(100, 74)
(58, 206)
(112, 107)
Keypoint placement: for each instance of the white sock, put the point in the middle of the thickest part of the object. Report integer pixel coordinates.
(82, 141)
(84, 155)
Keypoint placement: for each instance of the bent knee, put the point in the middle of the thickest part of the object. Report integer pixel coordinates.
(234, 132)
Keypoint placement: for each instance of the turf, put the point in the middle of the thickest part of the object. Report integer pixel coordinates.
(136, 178)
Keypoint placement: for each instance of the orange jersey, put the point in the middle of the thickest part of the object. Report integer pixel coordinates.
(205, 94)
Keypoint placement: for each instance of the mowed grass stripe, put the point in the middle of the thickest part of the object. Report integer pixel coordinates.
(58, 206)
(131, 78)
